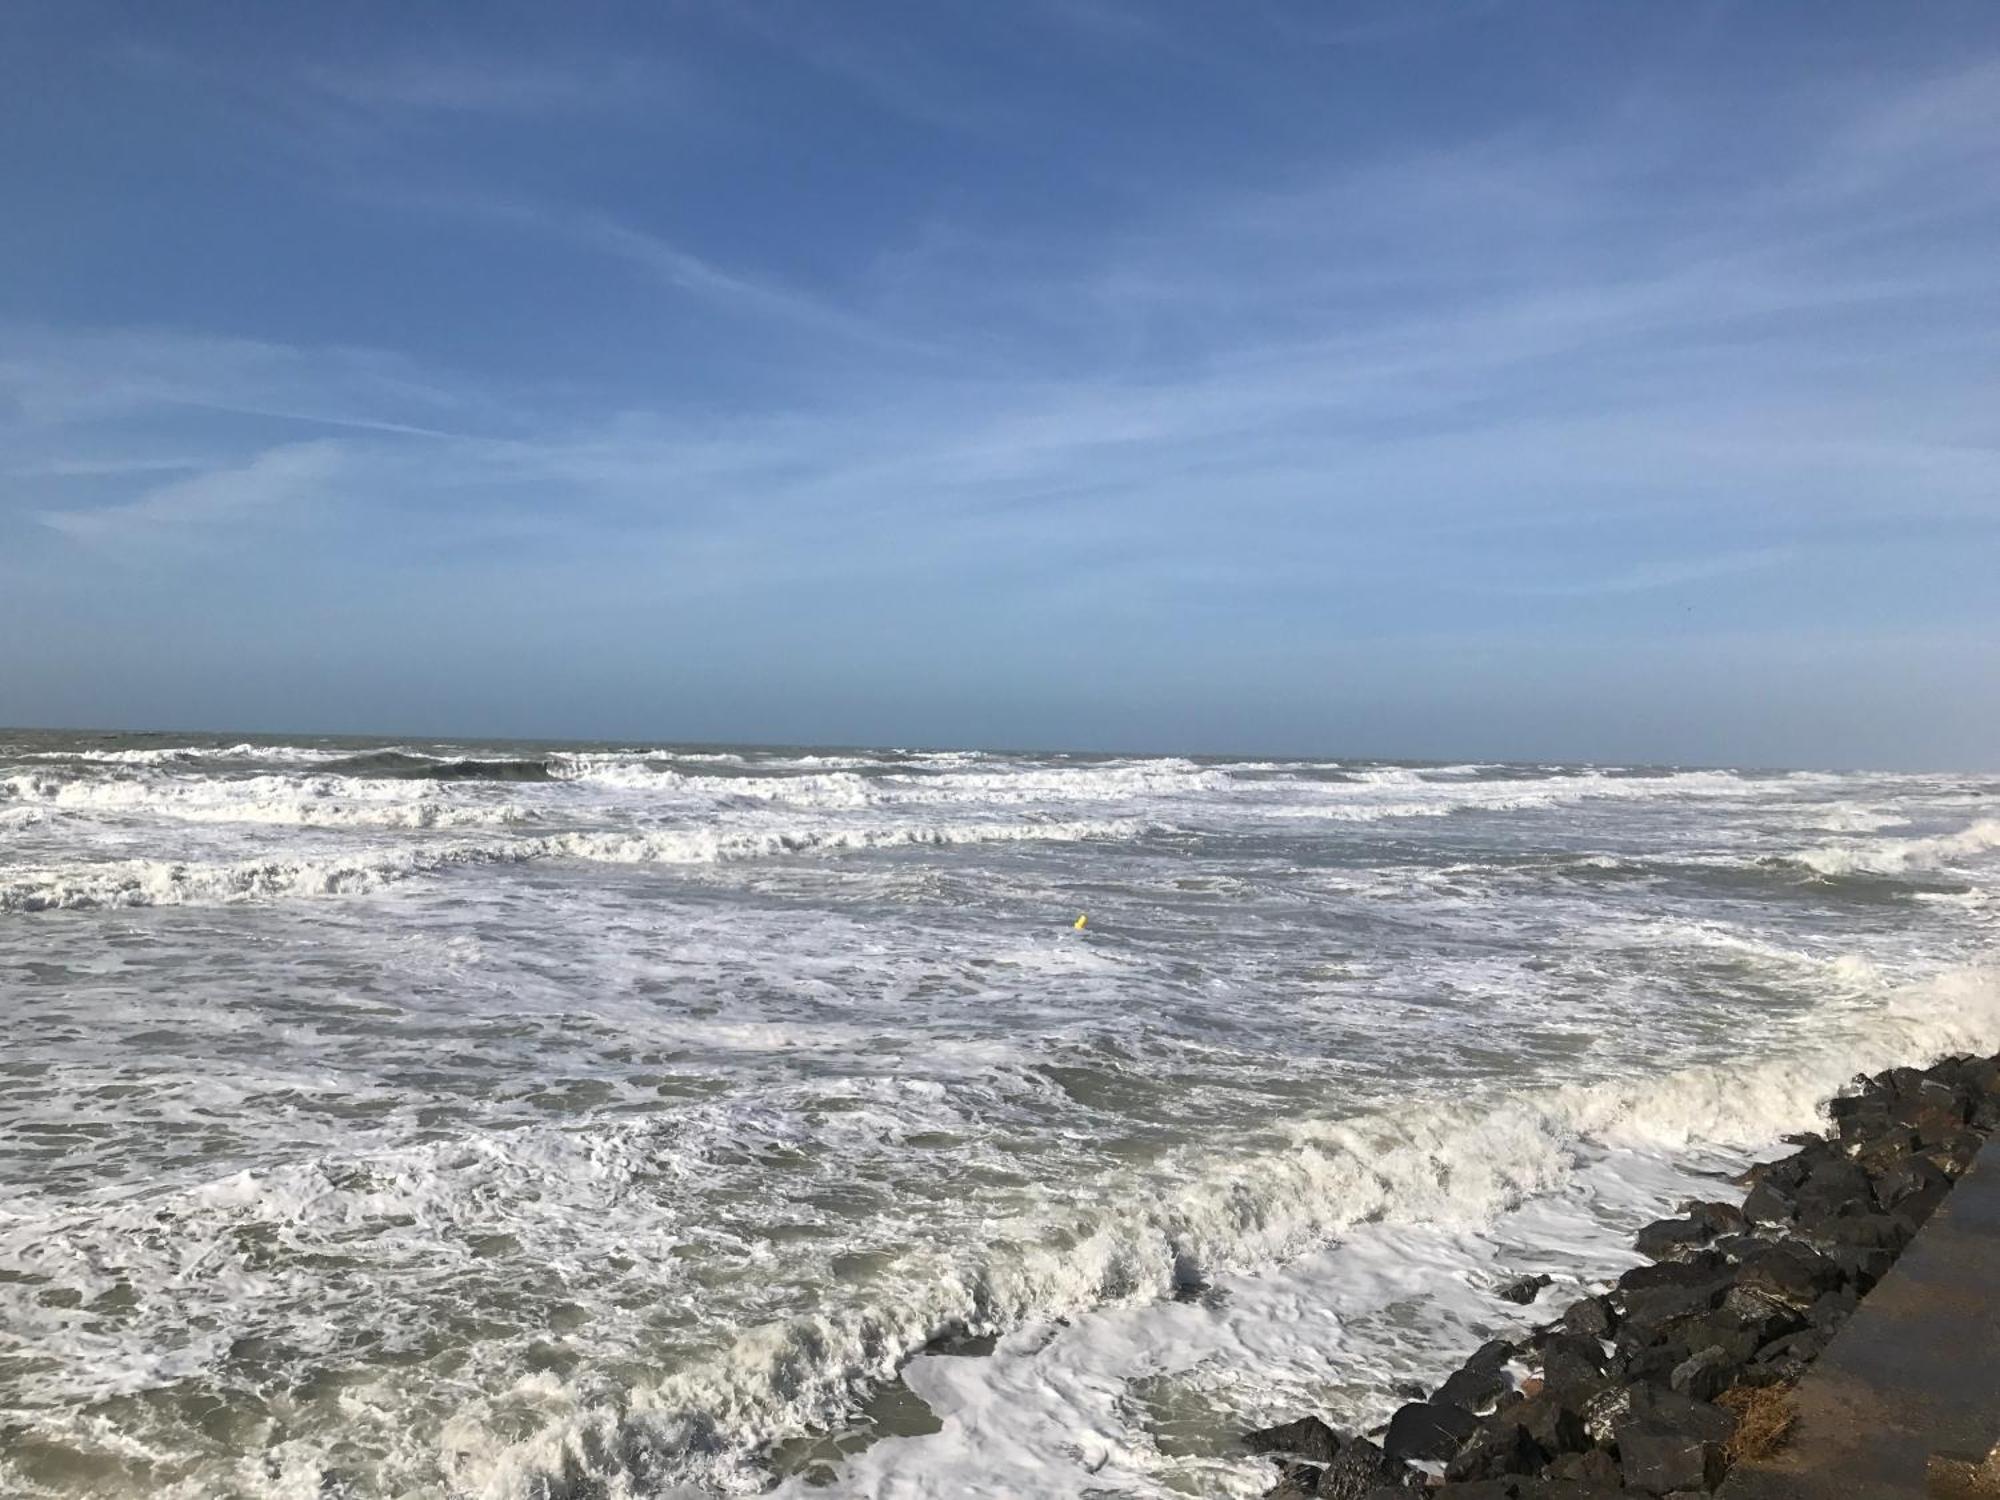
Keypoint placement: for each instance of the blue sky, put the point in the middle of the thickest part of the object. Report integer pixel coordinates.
(1574, 381)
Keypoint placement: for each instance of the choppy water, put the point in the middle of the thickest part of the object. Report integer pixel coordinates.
(511, 1120)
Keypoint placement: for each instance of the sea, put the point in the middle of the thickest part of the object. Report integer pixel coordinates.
(530, 1121)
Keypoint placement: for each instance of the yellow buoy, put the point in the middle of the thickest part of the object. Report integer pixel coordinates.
(1078, 924)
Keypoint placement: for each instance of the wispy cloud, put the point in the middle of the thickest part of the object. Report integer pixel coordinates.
(270, 482)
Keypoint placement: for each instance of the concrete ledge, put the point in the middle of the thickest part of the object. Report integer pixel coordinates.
(1914, 1373)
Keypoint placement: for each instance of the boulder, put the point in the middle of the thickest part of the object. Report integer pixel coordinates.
(1591, 1318)
(1428, 1430)
(1707, 1374)
(1295, 1482)
(1499, 1449)
(1715, 1217)
(1830, 1188)
(1660, 1460)
(1593, 1466)
(1523, 1289)
(1698, 1268)
(1362, 1467)
(1573, 1369)
(1308, 1437)
(1770, 1203)
(1670, 1239)
(1667, 1408)
(1475, 1387)
(1555, 1426)
(1790, 1272)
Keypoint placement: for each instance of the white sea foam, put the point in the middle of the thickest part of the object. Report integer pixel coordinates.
(1444, 1166)
(674, 1168)
(1904, 856)
(150, 882)
(300, 801)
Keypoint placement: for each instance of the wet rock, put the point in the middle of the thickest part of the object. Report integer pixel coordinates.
(1591, 1318)
(1648, 1311)
(1428, 1430)
(1500, 1449)
(1790, 1272)
(1409, 1390)
(1573, 1369)
(1604, 1411)
(1770, 1203)
(1699, 1268)
(1523, 1289)
(1295, 1482)
(1308, 1437)
(1481, 1381)
(1715, 1217)
(1670, 1239)
(1363, 1467)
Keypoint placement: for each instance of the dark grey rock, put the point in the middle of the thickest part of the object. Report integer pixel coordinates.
(1428, 1429)
(1308, 1437)
(1500, 1449)
(1670, 1239)
(1660, 1460)
(1707, 1374)
(1363, 1467)
(1523, 1289)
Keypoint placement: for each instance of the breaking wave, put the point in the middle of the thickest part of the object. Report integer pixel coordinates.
(1904, 856)
(1455, 1165)
(149, 882)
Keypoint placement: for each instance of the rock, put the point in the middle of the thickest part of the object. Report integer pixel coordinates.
(1769, 1203)
(1790, 1272)
(1429, 1430)
(1666, 1408)
(1698, 1268)
(1669, 1239)
(1295, 1482)
(1573, 1369)
(1604, 1411)
(1475, 1387)
(1591, 1318)
(1501, 1449)
(1593, 1466)
(1707, 1374)
(1523, 1289)
(1409, 1390)
(1478, 1489)
(1554, 1425)
(1831, 1186)
(1832, 1309)
(1660, 1459)
(1866, 1231)
(1715, 1217)
(1363, 1467)
(1308, 1437)
(1861, 1268)
(1648, 1311)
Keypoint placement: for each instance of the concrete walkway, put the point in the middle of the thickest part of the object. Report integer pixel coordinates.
(1915, 1371)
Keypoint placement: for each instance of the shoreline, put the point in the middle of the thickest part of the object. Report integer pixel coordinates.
(1681, 1368)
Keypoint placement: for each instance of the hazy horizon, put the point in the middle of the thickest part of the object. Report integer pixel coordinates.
(1467, 383)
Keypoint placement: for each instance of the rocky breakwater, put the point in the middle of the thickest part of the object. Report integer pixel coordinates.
(1657, 1384)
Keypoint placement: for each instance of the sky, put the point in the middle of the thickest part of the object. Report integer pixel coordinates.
(1554, 381)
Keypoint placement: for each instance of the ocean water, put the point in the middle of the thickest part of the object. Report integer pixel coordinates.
(526, 1120)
